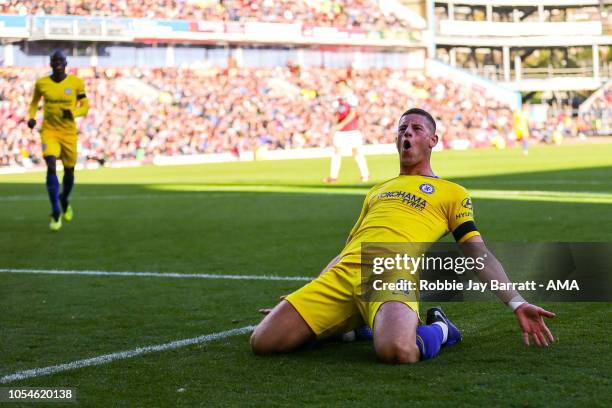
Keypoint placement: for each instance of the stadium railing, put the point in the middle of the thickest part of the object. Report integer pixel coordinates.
(504, 29)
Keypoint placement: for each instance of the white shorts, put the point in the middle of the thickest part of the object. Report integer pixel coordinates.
(349, 139)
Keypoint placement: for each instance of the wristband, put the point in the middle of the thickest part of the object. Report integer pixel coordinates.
(516, 302)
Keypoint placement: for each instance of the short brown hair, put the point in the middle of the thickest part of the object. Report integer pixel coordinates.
(422, 112)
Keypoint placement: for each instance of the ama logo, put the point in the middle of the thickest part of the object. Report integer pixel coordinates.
(427, 188)
(67, 91)
(467, 203)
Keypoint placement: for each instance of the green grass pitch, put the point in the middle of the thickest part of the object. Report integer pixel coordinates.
(277, 218)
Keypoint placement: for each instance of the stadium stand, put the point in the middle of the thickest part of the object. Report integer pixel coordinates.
(278, 108)
(337, 13)
(183, 95)
(528, 46)
(597, 109)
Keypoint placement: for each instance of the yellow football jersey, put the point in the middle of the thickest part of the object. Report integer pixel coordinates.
(57, 97)
(521, 123)
(411, 209)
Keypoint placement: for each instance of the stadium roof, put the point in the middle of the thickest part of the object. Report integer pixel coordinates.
(532, 3)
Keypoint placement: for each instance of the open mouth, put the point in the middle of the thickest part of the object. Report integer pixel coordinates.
(406, 145)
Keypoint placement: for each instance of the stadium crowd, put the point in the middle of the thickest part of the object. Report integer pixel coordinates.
(364, 14)
(599, 111)
(188, 111)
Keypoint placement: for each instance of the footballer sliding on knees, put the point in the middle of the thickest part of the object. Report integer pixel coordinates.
(414, 207)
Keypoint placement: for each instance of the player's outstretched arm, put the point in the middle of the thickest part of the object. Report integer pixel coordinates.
(80, 110)
(82, 102)
(336, 258)
(33, 107)
(83, 106)
(530, 317)
(266, 311)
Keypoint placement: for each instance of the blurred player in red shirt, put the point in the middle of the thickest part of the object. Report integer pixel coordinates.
(346, 134)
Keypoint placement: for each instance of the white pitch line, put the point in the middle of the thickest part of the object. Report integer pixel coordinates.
(122, 355)
(156, 275)
(113, 197)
